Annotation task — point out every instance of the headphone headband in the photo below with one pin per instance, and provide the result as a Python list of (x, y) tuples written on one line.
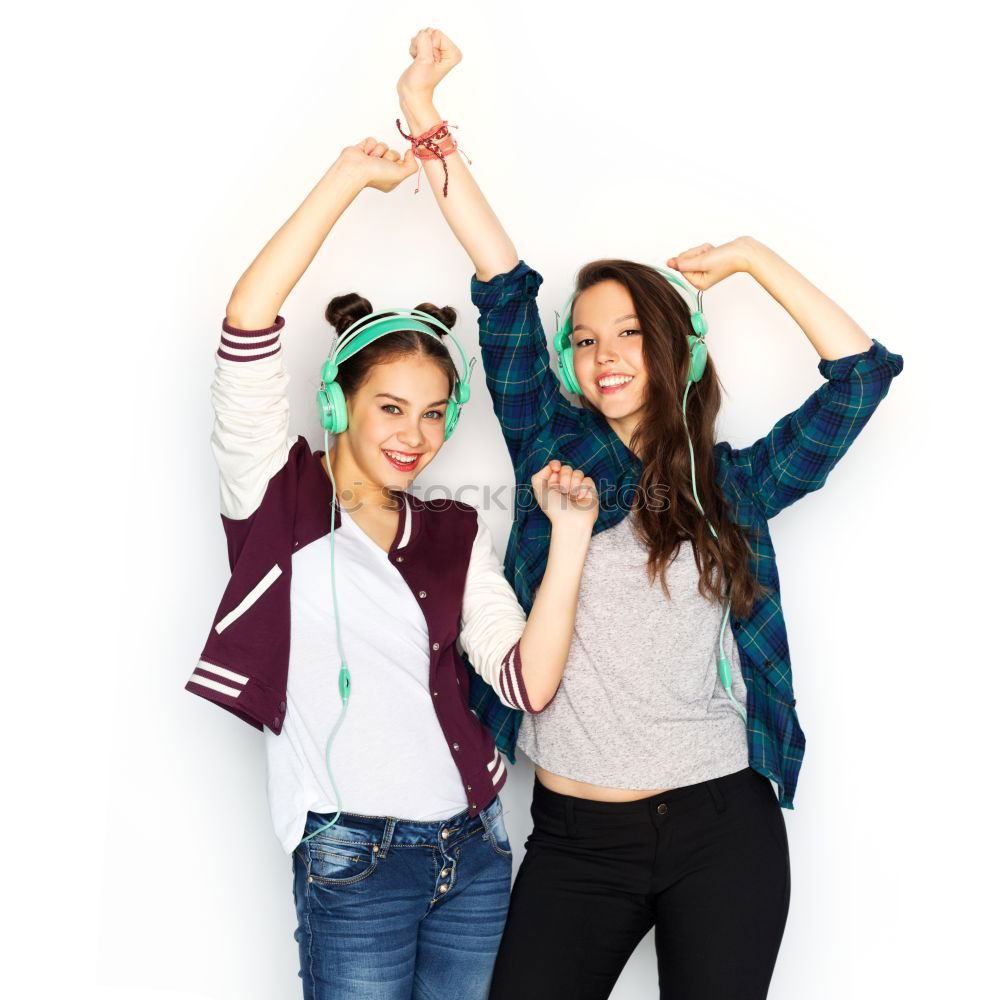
[(369, 328), (364, 331)]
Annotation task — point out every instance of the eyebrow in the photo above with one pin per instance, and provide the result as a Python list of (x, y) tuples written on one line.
[(621, 319), (406, 402)]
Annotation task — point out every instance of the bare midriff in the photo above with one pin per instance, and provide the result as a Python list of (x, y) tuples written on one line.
[(583, 790)]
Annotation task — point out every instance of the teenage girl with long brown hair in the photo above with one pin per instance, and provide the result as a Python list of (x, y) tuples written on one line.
[(653, 802)]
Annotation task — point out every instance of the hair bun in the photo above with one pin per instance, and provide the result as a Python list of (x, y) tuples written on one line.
[(444, 314), (343, 310)]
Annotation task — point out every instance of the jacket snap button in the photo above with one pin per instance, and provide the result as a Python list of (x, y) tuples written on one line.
[(468, 788), (277, 722), (399, 558), (445, 872), (423, 593), (445, 834), (662, 808), (443, 888), (281, 707), (436, 645), (435, 693), (455, 746)]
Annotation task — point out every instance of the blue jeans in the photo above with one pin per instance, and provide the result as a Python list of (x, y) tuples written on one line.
[(396, 910)]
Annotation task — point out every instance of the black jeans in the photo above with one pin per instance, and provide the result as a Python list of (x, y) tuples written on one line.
[(706, 865)]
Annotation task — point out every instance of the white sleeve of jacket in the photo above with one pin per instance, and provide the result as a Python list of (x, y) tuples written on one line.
[(250, 437), (493, 623)]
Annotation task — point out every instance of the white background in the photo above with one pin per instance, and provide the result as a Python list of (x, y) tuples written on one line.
[(150, 153)]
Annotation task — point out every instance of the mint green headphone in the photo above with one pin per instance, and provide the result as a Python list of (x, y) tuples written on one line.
[(330, 398), (696, 368), (563, 341)]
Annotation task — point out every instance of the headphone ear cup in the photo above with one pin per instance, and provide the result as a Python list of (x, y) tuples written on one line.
[(564, 355), (324, 409), (567, 373), (332, 408), (462, 392), (451, 415), (699, 356)]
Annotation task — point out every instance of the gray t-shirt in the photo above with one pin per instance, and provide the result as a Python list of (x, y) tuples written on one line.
[(640, 705)]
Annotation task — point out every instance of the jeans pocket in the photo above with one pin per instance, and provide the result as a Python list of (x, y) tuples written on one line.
[(340, 862), (497, 833)]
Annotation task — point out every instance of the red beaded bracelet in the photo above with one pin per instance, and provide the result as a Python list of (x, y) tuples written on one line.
[(433, 148)]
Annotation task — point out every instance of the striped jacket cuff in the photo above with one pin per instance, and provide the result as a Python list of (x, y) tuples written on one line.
[(250, 345), (512, 681)]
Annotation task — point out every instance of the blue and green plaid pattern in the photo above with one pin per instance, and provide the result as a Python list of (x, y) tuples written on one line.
[(758, 481)]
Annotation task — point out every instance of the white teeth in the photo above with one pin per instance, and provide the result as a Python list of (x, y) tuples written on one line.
[(609, 380), (402, 459)]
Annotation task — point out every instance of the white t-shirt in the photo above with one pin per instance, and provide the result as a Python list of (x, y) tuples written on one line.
[(389, 757)]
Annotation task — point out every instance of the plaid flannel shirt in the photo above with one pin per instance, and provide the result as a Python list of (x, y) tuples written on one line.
[(758, 481)]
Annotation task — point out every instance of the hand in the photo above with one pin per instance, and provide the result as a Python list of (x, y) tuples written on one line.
[(707, 265), (378, 166), (434, 55), (565, 494)]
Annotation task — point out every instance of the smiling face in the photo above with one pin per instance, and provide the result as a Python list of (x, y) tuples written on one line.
[(396, 423), (607, 354)]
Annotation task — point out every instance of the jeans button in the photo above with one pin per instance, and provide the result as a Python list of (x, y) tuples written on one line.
[(662, 808)]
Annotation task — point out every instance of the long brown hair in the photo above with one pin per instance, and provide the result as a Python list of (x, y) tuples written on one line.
[(661, 444)]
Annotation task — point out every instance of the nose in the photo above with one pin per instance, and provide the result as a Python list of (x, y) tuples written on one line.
[(411, 436), (606, 353)]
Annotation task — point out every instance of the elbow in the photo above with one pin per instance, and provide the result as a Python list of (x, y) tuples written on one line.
[(514, 688), (538, 702), (244, 315)]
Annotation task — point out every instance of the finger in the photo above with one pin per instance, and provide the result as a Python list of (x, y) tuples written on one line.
[(446, 45), (379, 149), (688, 255), (565, 478), (575, 480), (368, 144), (425, 47), (554, 464), (391, 155)]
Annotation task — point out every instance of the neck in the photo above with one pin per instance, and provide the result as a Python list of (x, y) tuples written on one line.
[(353, 489), (624, 427)]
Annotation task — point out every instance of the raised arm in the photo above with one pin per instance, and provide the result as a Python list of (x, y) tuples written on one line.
[(524, 388), (802, 448), (264, 286), (465, 208), (250, 436)]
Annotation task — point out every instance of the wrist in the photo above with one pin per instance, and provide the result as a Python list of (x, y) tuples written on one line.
[(346, 177), (754, 254), (419, 112), (573, 531)]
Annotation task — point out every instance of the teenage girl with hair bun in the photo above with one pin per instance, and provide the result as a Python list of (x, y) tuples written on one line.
[(382, 784), (653, 801)]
